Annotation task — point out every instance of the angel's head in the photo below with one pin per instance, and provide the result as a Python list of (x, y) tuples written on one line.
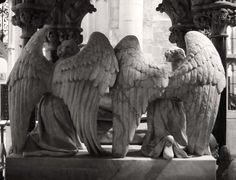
[(175, 55), (67, 49), (128, 42)]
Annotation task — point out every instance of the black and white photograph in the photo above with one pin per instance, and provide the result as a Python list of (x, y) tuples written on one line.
[(117, 89)]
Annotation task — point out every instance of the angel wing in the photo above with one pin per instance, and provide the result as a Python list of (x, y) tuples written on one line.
[(138, 82), (198, 82), (81, 80), (28, 81)]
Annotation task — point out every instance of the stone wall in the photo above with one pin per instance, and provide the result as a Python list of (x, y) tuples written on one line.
[(155, 31), (155, 36)]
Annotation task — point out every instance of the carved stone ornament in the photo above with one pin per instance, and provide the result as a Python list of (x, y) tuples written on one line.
[(216, 16), (64, 17), (74, 84), (67, 16), (65, 23), (29, 15)]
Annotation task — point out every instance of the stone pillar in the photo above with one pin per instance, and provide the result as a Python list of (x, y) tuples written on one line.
[(131, 18), (102, 16), (88, 26), (65, 23), (114, 21), (96, 22), (14, 42)]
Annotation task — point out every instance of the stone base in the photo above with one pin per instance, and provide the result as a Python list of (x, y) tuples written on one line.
[(84, 167)]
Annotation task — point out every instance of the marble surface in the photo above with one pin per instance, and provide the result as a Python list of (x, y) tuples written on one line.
[(132, 167)]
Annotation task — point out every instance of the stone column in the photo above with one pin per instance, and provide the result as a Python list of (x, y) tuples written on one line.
[(131, 18), (14, 42), (114, 21), (102, 16), (88, 26), (96, 22)]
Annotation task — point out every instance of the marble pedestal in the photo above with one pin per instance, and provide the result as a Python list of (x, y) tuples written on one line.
[(83, 167)]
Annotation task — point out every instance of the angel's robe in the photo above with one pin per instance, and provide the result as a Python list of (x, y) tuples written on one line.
[(55, 134)]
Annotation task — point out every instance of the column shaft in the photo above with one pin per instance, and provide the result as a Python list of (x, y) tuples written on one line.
[(131, 18)]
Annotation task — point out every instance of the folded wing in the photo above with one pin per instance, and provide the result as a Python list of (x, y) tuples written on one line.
[(81, 80), (198, 82), (28, 81), (139, 82)]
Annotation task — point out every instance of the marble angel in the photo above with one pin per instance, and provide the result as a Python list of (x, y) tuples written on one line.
[(67, 93), (181, 99)]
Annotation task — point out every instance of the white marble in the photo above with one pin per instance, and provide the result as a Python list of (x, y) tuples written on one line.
[(131, 167)]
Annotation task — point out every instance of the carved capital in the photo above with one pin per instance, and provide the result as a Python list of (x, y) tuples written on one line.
[(66, 16), (29, 20), (64, 22), (62, 18), (179, 11), (29, 17), (215, 16)]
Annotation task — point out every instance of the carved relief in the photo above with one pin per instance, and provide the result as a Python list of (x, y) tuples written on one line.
[(66, 16), (215, 19), (214, 16)]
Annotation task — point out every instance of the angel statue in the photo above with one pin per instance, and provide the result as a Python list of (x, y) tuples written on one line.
[(66, 95), (181, 97)]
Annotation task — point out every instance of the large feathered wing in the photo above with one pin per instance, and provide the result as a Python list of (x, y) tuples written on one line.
[(81, 80), (139, 82), (198, 82), (28, 80), (202, 64)]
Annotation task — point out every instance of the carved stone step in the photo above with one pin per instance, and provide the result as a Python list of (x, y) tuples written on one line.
[(133, 166)]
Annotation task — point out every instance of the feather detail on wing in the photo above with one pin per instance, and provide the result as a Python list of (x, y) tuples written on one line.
[(202, 64), (81, 80), (28, 81), (138, 82), (198, 82)]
